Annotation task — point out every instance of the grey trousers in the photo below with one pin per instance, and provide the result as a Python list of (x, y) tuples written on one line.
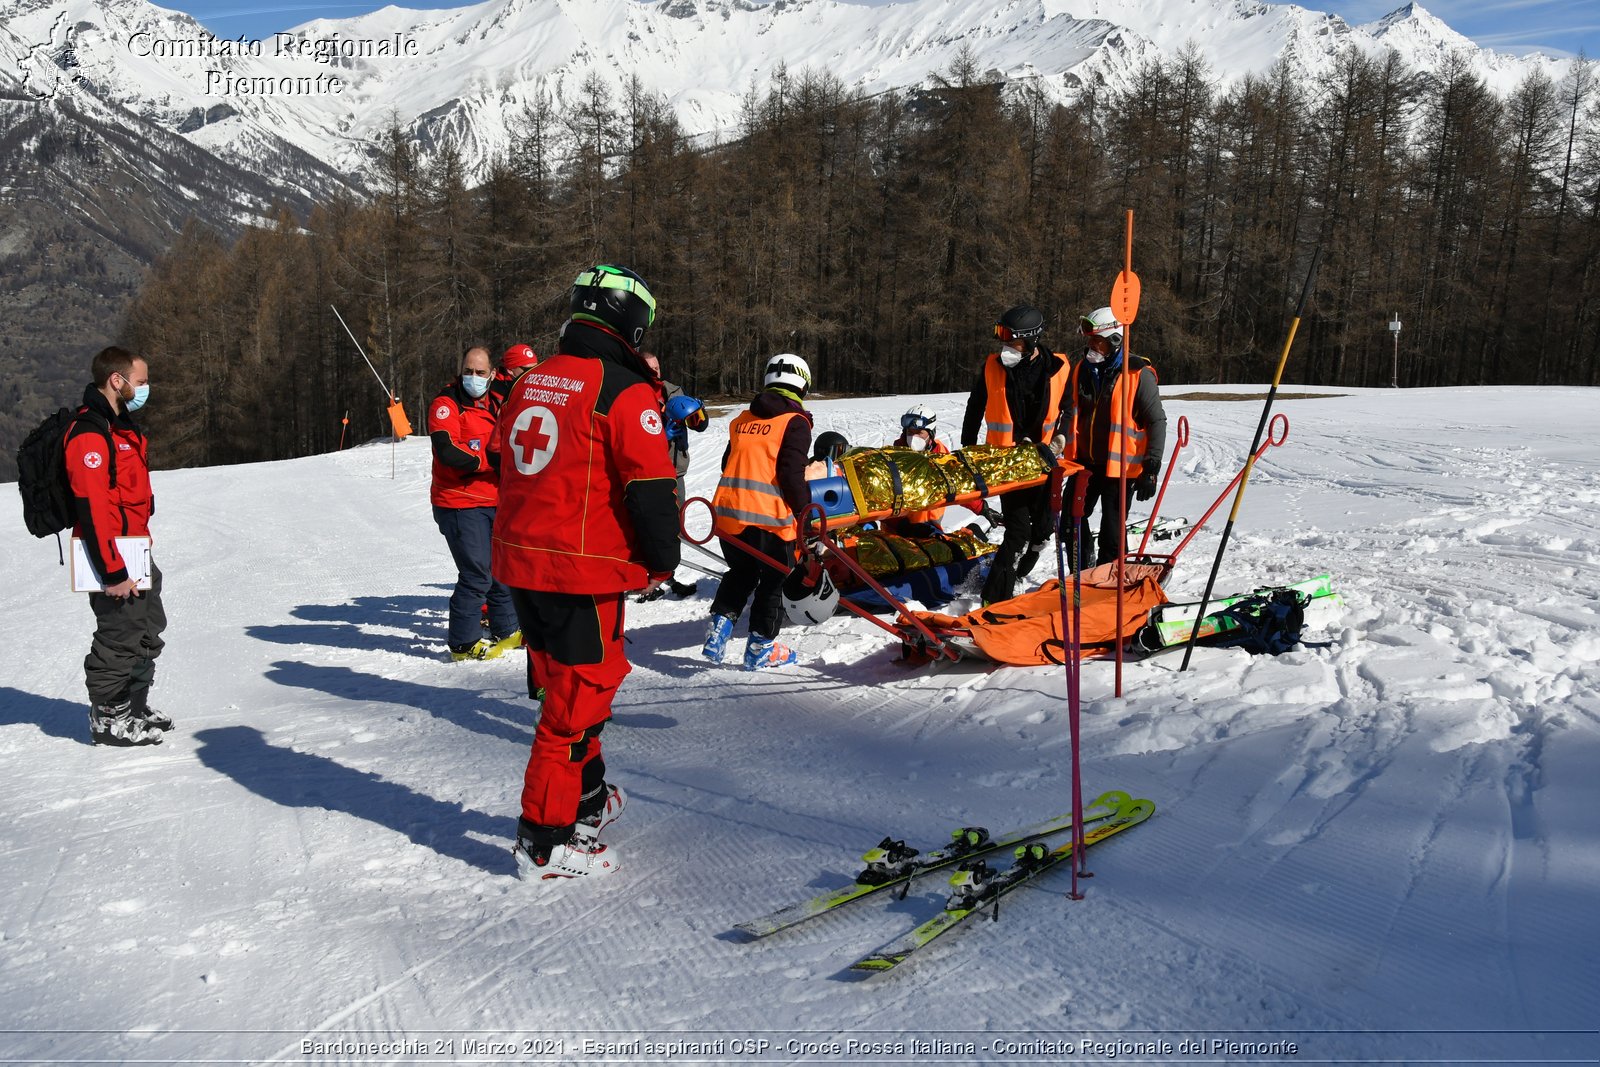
[(127, 640)]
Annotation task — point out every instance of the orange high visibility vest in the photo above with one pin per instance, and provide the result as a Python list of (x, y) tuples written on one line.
[(997, 413), (748, 494), (1135, 442)]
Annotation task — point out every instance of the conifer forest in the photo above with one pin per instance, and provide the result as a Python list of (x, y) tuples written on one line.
[(880, 236)]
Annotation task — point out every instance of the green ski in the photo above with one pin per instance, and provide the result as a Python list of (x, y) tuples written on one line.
[(892, 863), (977, 888)]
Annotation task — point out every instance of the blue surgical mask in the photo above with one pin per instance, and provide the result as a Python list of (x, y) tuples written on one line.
[(141, 393), (474, 385)]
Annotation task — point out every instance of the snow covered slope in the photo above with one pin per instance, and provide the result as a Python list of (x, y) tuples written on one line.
[(1395, 832), (464, 74)]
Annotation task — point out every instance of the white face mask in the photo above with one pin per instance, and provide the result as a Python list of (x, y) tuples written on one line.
[(917, 443), (1094, 357), (1009, 356)]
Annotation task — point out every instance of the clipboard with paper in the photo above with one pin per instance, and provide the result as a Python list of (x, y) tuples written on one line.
[(135, 554)]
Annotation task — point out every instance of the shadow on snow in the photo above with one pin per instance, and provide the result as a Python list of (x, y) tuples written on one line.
[(302, 780)]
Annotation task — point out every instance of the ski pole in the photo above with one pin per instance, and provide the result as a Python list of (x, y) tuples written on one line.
[(707, 571), (1155, 509), (1080, 490), (1244, 475)]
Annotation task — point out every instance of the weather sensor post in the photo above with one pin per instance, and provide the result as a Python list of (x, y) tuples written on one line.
[(1394, 367)]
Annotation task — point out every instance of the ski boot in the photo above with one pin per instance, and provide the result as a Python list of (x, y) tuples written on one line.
[(718, 630), (590, 826), (579, 857), (764, 653), (501, 645), (139, 704), (115, 724), (461, 653)]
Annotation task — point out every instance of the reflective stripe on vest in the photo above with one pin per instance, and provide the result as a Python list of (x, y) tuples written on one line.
[(1134, 442), (997, 412), (748, 494)]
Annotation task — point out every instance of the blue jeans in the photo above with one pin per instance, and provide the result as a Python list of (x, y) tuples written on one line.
[(469, 533)]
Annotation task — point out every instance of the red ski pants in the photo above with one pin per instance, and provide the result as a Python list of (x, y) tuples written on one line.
[(575, 653)]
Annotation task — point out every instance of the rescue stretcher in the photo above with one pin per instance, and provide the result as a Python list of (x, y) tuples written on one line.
[(884, 483)]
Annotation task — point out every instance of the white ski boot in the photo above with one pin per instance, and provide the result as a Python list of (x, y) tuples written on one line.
[(589, 829), (580, 857)]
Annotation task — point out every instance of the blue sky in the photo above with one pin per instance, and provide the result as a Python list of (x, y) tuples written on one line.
[(1561, 26)]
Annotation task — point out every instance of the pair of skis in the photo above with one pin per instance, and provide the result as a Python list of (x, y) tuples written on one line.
[(977, 887), (1170, 624)]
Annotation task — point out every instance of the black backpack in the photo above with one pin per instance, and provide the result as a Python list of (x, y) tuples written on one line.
[(1270, 622), (47, 506)]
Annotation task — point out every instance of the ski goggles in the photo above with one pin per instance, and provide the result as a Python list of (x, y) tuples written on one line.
[(912, 421), (1007, 334)]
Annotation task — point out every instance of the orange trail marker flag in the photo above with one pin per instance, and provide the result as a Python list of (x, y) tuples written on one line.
[(397, 419), (1125, 297)]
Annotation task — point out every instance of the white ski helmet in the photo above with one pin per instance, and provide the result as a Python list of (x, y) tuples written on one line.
[(1101, 322), (788, 370), (809, 599), (920, 417)]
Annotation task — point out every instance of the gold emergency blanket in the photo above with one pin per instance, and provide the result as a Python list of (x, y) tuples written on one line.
[(886, 555), (892, 481)]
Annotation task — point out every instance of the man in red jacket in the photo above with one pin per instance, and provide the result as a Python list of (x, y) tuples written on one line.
[(588, 512), (465, 491), (108, 471), (513, 361)]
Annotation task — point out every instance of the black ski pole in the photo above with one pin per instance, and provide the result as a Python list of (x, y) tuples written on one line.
[(1266, 413)]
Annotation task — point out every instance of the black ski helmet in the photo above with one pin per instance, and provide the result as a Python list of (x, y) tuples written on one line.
[(829, 445), (616, 298), (1023, 322)]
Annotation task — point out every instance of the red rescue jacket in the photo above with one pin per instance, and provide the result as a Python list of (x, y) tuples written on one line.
[(462, 432), (108, 510), (588, 500)]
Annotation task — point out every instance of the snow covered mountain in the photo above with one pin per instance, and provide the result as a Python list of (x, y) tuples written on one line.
[(460, 76)]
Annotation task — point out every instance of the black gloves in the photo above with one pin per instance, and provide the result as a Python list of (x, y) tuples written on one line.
[(1144, 486)]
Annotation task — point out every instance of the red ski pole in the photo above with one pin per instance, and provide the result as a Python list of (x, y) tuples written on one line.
[(1080, 490)]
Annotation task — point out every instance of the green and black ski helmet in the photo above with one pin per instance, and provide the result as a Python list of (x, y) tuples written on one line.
[(614, 297)]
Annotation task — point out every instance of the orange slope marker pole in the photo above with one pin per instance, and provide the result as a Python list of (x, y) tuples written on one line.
[(1125, 306)]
